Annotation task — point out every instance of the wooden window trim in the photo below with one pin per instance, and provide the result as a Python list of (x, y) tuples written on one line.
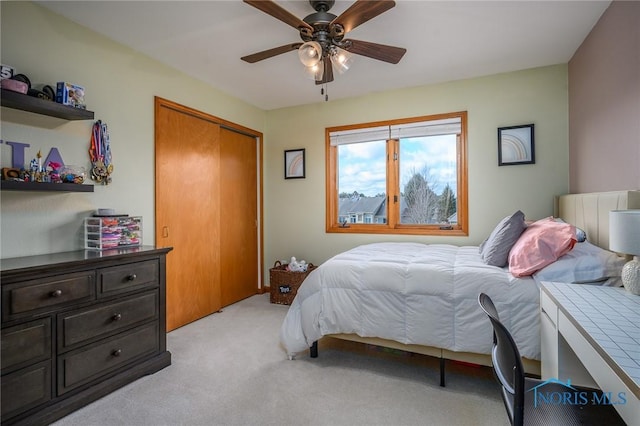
[(392, 226)]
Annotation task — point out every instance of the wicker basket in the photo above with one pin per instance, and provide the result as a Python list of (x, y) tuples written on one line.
[(284, 284)]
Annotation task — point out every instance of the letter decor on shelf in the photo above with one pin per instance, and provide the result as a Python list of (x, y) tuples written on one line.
[(18, 150), (100, 154)]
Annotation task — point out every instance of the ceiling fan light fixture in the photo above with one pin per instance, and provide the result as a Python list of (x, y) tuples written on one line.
[(341, 59), (310, 53), (324, 49), (315, 72)]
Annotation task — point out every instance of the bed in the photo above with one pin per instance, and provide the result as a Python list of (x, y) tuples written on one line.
[(422, 298)]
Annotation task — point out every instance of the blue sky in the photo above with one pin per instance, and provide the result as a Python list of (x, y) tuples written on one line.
[(362, 165)]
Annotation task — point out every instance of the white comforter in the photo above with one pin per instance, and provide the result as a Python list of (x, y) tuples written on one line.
[(415, 294)]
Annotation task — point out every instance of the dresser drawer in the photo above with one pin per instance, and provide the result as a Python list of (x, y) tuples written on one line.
[(79, 326), (50, 292), (86, 364), (26, 343), (26, 388), (128, 277)]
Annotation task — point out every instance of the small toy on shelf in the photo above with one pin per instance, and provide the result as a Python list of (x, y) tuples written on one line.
[(73, 174), (53, 170), (70, 94), (39, 155), (35, 166)]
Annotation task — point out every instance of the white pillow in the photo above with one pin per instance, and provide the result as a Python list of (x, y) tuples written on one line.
[(583, 264)]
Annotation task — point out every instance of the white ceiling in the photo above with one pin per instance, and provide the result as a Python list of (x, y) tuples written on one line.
[(445, 41)]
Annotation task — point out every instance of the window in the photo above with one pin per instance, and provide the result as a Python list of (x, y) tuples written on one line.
[(404, 176)]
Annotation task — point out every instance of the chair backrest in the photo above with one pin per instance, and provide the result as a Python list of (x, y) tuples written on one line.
[(507, 363)]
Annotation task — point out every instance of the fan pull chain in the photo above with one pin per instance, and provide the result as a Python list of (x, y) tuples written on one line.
[(325, 91)]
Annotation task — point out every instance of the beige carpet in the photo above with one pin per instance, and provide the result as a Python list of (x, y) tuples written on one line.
[(229, 369)]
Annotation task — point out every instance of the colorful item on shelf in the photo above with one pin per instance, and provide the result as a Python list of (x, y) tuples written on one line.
[(54, 173), (39, 156), (14, 85), (100, 154), (73, 174), (103, 233), (70, 94), (35, 168)]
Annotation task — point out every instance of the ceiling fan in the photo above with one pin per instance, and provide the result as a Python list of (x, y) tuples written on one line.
[(322, 33)]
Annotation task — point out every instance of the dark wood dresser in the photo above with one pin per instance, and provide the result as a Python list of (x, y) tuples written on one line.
[(77, 326)]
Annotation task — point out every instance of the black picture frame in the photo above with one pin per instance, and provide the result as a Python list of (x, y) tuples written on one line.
[(516, 145), (294, 164)]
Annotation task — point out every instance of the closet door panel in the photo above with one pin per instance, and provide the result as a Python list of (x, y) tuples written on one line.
[(188, 211), (239, 216)]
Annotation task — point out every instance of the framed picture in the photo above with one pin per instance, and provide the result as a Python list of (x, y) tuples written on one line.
[(294, 164), (516, 145)]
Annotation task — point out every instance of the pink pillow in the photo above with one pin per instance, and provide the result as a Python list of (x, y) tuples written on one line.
[(541, 244)]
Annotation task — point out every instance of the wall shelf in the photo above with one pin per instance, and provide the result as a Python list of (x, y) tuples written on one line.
[(15, 100), (11, 185)]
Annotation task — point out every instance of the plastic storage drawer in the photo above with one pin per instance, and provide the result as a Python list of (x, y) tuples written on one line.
[(104, 233)]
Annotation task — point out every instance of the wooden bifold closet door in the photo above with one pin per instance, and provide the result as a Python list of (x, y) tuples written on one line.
[(238, 216), (207, 209)]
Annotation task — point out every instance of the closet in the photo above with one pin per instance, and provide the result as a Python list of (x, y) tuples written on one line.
[(208, 208)]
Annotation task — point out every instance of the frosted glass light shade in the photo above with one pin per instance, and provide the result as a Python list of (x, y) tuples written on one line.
[(310, 53), (315, 72), (341, 59)]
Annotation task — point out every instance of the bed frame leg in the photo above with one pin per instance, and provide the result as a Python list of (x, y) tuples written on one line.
[(442, 372), (313, 350)]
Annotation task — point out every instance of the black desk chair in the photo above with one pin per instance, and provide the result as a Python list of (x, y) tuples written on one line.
[(520, 394)]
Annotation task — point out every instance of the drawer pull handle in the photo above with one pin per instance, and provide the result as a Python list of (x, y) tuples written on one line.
[(132, 277), (56, 293), (117, 352), (117, 317)]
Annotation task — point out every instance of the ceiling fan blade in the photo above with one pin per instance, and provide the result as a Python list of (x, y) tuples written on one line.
[(265, 54), (377, 51), (271, 8), (361, 11), (327, 76)]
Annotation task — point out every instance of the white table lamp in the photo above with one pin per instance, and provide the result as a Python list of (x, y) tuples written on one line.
[(624, 237)]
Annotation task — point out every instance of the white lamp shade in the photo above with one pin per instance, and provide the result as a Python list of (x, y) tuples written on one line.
[(624, 231)]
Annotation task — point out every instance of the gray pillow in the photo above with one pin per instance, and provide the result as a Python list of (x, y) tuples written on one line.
[(495, 249)]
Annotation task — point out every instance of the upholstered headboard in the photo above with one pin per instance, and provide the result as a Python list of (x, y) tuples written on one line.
[(590, 211)]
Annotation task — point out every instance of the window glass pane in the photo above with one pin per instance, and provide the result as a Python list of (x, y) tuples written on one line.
[(428, 180), (362, 182)]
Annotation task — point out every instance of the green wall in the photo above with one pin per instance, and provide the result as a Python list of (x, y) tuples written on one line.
[(295, 209)]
